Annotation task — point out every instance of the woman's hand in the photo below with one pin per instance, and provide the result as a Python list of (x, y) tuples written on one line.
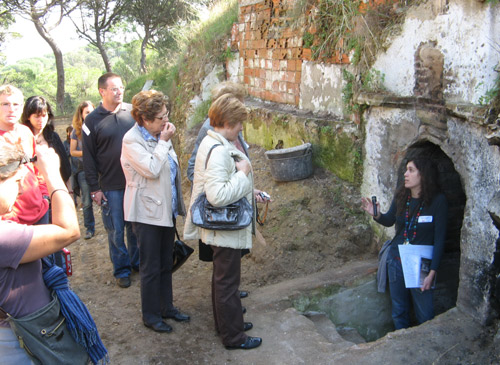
[(167, 132), (48, 163), (367, 206), (258, 197), (243, 165), (429, 279)]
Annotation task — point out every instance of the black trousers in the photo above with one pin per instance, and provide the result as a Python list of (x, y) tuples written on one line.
[(155, 249), (226, 302)]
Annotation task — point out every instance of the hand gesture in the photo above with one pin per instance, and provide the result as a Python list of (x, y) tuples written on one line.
[(367, 206), (167, 132)]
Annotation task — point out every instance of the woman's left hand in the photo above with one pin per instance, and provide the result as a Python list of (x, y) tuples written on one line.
[(429, 279)]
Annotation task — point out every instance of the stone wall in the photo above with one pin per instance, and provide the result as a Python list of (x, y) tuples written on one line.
[(436, 72), (433, 100)]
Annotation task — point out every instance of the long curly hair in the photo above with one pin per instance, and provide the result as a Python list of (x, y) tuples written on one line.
[(428, 181), (37, 105), (78, 117)]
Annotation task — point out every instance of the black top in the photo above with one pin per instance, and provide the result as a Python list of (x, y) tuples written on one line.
[(431, 226), (58, 146), (102, 135)]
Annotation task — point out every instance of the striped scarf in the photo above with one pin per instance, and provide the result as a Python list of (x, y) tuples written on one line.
[(78, 319)]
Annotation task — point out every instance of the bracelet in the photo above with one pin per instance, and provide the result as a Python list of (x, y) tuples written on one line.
[(56, 191)]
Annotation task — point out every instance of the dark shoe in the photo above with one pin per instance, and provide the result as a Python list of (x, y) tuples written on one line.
[(123, 282), (247, 326), (250, 343), (178, 316), (244, 310), (159, 327), (88, 235), (243, 294), (135, 269)]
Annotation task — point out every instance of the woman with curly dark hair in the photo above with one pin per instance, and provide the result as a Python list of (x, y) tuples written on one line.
[(420, 213)]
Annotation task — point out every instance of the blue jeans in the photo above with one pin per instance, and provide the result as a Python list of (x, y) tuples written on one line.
[(402, 297), (88, 212), (123, 259)]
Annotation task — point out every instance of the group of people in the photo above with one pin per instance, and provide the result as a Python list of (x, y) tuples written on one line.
[(127, 165), (125, 162)]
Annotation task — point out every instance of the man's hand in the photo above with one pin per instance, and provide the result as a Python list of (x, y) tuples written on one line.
[(98, 197)]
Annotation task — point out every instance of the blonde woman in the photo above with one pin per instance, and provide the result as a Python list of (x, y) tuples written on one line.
[(226, 178), (84, 109)]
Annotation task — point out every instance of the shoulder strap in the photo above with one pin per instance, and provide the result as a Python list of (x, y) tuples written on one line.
[(3, 314), (210, 152)]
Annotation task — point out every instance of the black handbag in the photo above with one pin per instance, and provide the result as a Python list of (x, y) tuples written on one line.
[(181, 252), (234, 216)]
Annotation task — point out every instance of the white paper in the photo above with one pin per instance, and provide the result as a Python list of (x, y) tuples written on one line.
[(411, 255)]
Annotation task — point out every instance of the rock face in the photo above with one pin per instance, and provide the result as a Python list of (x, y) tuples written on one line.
[(432, 120)]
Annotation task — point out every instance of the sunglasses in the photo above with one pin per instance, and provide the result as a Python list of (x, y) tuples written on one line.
[(8, 169)]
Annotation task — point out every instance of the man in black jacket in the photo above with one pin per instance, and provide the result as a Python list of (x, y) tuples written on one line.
[(102, 136)]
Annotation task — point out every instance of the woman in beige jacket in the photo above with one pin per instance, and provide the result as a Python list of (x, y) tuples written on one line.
[(227, 178), (152, 201)]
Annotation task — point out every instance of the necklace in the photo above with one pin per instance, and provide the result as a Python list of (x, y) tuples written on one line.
[(411, 224)]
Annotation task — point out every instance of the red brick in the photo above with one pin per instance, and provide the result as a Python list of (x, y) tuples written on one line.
[(248, 72), (276, 65), (246, 80), (298, 76), (290, 76), (261, 43), (306, 54), (276, 86), (298, 65)]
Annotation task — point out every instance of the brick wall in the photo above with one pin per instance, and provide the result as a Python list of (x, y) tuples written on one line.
[(271, 51)]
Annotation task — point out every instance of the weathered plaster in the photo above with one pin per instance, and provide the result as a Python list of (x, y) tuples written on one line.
[(321, 88), (467, 35)]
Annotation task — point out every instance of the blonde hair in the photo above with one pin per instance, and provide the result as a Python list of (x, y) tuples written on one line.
[(78, 117), (11, 90), (228, 87), (147, 104), (227, 109)]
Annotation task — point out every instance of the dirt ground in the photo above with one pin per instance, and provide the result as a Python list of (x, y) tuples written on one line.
[(313, 227)]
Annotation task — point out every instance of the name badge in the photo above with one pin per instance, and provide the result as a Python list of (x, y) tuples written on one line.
[(86, 129), (425, 219)]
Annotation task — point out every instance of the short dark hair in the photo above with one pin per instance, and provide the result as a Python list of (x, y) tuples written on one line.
[(102, 81), (147, 104)]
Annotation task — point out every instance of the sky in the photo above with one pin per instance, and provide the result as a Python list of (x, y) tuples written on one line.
[(33, 45)]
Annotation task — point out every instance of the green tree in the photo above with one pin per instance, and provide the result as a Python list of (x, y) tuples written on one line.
[(156, 17), (45, 15), (94, 22)]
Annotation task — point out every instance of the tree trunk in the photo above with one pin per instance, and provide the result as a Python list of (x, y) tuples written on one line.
[(147, 35), (104, 54), (59, 64)]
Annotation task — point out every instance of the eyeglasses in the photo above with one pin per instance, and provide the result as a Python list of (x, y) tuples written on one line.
[(6, 170), (164, 116), (115, 89)]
